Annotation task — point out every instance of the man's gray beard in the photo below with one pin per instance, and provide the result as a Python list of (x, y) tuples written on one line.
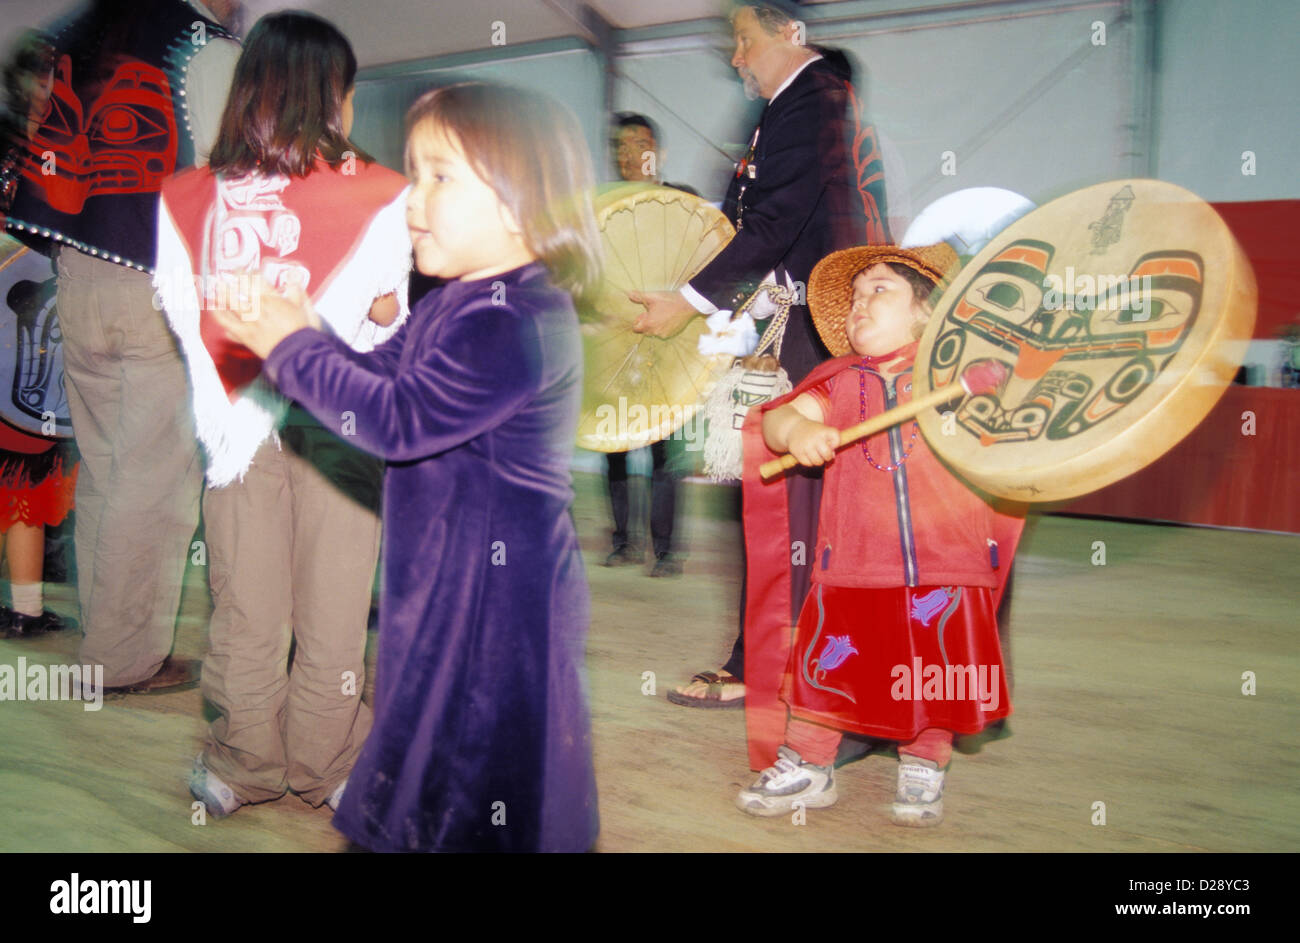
[(752, 91)]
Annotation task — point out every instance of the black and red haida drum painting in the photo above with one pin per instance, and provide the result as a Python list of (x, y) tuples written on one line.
[(31, 346), (1121, 311)]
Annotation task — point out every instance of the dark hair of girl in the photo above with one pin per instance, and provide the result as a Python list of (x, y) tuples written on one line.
[(286, 101)]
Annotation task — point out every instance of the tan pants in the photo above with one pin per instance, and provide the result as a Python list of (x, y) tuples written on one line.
[(141, 474), (292, 552)]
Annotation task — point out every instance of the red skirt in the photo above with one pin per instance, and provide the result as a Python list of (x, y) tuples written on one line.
[(891, 662), (37, 490)]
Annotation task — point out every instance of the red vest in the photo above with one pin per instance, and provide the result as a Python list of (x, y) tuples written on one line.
[(906, 520), (115, 127), (276, 226), (341, 232)]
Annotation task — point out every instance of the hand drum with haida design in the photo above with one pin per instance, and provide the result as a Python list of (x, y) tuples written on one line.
[(31, 345), (639, 389), (1121, 312)]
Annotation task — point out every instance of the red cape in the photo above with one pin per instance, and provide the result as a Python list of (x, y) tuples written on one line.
[(768, 633)]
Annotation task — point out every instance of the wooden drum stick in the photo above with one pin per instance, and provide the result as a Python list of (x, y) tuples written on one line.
[(979, 377)]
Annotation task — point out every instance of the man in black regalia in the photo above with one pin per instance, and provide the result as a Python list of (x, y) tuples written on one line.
[(795, 198)]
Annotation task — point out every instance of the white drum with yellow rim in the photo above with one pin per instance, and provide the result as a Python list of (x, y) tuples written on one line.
[(1121, 312)]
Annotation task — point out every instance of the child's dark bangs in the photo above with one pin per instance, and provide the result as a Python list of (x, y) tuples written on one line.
[(922, 285)]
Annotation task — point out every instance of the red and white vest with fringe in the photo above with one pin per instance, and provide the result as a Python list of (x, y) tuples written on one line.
[(340, 231)]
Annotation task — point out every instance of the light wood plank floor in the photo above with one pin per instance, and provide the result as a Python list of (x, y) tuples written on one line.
[(1128, 691)]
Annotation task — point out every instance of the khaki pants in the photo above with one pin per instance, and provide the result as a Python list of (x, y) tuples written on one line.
[(141, 473), (292, 552)]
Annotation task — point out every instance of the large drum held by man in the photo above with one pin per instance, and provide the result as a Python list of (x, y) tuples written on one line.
[(639, 389)]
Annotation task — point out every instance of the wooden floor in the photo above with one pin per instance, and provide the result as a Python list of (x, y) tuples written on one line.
[(1128, 692)]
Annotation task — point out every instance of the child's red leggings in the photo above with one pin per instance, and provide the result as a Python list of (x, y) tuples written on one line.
[(818, 745)]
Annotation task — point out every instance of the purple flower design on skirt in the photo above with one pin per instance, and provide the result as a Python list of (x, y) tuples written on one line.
[(925, 608), (838, 648), (945, 600), (834, 652)]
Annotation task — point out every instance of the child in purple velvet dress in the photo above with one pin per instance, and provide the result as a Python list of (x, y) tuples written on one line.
[(481, 737)]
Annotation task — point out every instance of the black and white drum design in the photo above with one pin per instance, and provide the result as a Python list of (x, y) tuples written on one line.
[(32, 398)]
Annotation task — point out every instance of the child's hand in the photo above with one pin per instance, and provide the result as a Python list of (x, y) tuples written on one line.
[(813, 443), (273, 318)]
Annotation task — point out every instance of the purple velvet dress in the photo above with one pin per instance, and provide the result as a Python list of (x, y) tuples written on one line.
[(482, 737)]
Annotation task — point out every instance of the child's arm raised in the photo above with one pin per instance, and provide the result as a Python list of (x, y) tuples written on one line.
[(797, 428)]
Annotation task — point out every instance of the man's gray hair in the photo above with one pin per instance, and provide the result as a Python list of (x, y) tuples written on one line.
[(771, 17)]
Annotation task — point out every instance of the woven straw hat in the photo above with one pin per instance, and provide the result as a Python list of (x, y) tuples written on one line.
[(830, 287)]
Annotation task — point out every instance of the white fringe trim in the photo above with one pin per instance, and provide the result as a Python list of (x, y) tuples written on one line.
[(380, 264)]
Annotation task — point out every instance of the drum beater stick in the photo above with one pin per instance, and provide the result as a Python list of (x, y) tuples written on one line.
[(979, 377)]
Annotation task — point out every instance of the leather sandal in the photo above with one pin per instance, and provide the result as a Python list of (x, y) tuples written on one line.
[(712, 699)]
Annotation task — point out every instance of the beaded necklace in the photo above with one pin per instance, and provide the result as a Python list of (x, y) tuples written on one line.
[(862, 410)]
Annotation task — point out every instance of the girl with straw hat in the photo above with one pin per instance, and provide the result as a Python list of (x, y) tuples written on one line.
[(898, 636)]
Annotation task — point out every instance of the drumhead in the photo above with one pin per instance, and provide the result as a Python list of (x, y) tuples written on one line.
[(32, 398), (1121, 311), (640, 389)]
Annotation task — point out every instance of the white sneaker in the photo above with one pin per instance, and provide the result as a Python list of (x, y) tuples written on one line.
[(790, 782), (336, 796), (205, 786), (918, 803)]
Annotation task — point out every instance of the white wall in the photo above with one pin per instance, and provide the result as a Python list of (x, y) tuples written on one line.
[(1026, 103), (986, 82), (573, 76), (1228, 82)]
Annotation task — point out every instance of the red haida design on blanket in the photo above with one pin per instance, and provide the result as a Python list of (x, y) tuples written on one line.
[(249, 231), (124, 142)]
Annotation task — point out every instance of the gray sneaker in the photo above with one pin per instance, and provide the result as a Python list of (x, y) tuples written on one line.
[(219, 798), (336, 796), (918, 802), (788, 783)]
